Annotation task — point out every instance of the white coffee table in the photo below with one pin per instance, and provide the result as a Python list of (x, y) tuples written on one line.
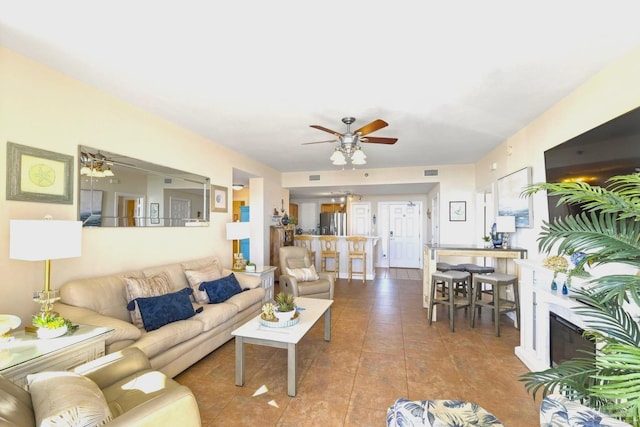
[(253, 332)]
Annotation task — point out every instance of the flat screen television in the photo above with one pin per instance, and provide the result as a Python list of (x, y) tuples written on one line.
[(610, 149)]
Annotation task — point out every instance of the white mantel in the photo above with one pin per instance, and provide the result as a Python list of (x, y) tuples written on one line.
[(537, 300)]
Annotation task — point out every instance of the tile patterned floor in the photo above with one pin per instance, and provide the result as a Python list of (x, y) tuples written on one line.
[(381, 348)]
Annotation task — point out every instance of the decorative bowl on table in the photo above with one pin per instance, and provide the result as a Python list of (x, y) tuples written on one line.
[(274, 322), (46, 333)]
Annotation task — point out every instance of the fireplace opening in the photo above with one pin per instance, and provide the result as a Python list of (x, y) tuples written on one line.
[(566, 340)]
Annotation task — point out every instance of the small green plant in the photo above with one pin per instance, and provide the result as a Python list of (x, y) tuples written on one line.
[(53, 321), (284, 302), (486, 238)]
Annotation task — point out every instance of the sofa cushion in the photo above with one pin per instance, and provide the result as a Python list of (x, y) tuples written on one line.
[(146, 287), (221, 289), (158, 341), (197, 277), (557, 410), (164, 309), (214, 315), (247, 298), (67, 399), (303, 274)]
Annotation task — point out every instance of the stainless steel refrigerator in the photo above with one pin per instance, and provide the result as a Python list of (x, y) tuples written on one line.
[(333, 224)]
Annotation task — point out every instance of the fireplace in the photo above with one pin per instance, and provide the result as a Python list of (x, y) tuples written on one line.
[(566, 340)]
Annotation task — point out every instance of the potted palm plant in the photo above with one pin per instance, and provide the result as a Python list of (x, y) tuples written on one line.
[(285, 308), (607, 231)]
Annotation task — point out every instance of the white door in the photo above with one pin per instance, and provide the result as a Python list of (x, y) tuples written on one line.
[(359, 223), (179, 210), (405, 235)]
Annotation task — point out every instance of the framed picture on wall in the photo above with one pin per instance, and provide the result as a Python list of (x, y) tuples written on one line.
[(35, 175), (458, 211), (510, 201), (218, 198)]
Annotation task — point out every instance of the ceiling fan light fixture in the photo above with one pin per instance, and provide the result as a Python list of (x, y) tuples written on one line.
[(358, 157), (337, 158)]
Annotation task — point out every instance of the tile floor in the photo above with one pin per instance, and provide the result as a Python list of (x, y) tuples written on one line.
[(381, 348)]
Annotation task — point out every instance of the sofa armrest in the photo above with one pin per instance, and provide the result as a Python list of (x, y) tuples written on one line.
[(121, 330), (289, 285), (109, 369), (174, 407), (331, 279), (246, 280)]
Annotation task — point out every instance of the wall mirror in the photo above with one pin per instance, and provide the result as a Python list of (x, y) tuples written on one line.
[(121, 191)]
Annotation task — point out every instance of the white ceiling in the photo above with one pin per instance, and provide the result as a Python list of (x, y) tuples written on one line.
[(452, 78)]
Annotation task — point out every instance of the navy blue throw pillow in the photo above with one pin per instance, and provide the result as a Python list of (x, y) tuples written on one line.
[(163, 309), (222, 289)]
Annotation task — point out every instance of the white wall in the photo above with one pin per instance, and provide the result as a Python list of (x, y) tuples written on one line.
[(43, 108)]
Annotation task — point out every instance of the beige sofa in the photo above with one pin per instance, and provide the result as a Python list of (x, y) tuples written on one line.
[(120, 389), (102, 301)]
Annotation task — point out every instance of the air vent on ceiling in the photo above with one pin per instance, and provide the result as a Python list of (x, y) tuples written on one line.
[(431, 172), (167, 180), (314, 177)]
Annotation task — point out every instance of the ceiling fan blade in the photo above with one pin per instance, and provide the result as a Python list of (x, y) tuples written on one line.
[(319, 142), (322, 128), (379, 140), (372, 127)]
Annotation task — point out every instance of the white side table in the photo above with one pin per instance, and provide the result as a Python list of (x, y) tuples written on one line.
[(27, 354), (266, 273)]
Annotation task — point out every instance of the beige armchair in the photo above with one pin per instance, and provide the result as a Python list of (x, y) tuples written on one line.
[(296, 257), (135, 395)]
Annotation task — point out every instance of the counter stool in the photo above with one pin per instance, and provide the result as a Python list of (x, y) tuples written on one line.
[(452, 282), (497, 304), (305, 241), (355, 245), (474, 269), (445, 266), (328, 249)]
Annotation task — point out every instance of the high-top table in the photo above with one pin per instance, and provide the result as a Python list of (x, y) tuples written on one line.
[(253, 332), (433, 253)]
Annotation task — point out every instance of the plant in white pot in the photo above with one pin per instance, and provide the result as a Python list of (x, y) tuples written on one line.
[(52, 325), (285, 307)]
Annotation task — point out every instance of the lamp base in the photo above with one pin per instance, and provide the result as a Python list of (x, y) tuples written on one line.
[(46, 300), (239, 262)]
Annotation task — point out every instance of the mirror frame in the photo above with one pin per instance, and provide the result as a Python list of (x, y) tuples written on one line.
[(131, 205)]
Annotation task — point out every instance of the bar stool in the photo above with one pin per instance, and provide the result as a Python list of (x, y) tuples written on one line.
[(451, 281), (474, 269), (356, 245), (497, 304), (445, 266), (328, 249), (305, 241)]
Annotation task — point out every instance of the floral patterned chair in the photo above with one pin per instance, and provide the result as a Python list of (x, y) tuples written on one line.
[(557, 411), (438, 413)]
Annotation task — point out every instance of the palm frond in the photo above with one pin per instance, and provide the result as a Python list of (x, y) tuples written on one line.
[(573, 378), (607, 320), (601, 234), (618, 287), (618, 381)]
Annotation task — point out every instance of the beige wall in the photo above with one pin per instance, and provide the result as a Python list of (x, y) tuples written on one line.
[(42, 108), (612, 92)]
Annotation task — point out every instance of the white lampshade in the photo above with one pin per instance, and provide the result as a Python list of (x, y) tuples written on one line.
[(358, 157), (506, 224), (40, 240), (337, 158), (238, 230)]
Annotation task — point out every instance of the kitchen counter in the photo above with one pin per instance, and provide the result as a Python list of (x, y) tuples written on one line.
[(370, 248)]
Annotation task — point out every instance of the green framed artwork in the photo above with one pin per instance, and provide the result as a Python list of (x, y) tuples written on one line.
[(36, 175)]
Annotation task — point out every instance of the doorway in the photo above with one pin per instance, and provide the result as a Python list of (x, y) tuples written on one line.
[(401, 232)]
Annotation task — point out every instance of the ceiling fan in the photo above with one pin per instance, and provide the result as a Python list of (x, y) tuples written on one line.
[(350, 141)]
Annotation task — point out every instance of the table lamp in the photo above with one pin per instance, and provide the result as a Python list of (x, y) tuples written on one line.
[(44, 240), (506, 224), (237, 231)]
